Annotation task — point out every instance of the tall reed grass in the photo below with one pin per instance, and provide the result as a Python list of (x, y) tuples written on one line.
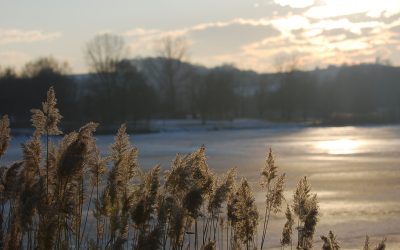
[(66, 195)]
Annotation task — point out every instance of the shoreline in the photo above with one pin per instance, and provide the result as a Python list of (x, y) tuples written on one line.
[(195, 125)]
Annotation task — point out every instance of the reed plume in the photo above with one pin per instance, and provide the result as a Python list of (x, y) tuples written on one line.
[(366, 243), (269, 172), (11, 186), (310, 223), (125, 165), (305, 207), (274, 189), (47, 119), (193, 200), (202, 176), (189, 172), (288, 228), (275, 197), (176, 230), (178, 179), (31, 185), (72, 160), (151, 241), (146, 199), (381, 245), (32, 157), (219, 195), (97, 169), (4, 134), (301, 199), (221, 191), (13, 235), (330, 242), (245, 214), (46, 123), (119, 191)]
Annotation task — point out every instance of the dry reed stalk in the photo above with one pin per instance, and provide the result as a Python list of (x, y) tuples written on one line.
[(274, 191), (305, 207), (4, 134), (330, 242)]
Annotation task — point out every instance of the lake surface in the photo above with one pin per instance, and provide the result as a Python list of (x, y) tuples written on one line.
[(354, 170)]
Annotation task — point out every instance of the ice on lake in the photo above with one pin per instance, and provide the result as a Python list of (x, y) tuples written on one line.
[(354, 170)]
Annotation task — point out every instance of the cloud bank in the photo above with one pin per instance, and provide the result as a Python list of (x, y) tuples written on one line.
[(322, 33), (13, 36)]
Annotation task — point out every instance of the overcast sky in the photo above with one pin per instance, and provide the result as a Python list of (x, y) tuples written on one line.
[(251, 34)]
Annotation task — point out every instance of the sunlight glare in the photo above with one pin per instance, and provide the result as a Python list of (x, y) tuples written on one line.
[(337, 147), (335, 8)]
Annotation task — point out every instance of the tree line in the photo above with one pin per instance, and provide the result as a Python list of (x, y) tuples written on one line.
[(168, 86)]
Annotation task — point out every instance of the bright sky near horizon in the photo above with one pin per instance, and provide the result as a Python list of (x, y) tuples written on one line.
[(251, 34)]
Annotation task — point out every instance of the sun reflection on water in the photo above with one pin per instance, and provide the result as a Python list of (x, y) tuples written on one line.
[(338, 147)]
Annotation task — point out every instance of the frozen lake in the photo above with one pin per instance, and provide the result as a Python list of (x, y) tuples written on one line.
[(354, 170)]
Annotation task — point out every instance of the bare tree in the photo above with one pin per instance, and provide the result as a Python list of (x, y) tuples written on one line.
[(45, 65), (103, 54), (169, 74), (286, 63), (173, 48), (297, 88)]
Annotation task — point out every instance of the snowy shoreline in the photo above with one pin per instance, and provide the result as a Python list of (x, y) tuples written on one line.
[(179, 125)]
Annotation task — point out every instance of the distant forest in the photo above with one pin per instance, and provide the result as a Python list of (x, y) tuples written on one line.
[(167, 87)]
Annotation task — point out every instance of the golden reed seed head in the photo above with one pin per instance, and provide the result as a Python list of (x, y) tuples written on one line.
[(46, 120)]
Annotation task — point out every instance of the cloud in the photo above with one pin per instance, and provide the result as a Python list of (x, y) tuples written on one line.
[(345, 24), (295, 3), (12, 36), (396, 29), (138, 32), (198, 27), (338, 35), (336, 8), (290, 23), (211, 37), (228, 39), (320, 42)]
